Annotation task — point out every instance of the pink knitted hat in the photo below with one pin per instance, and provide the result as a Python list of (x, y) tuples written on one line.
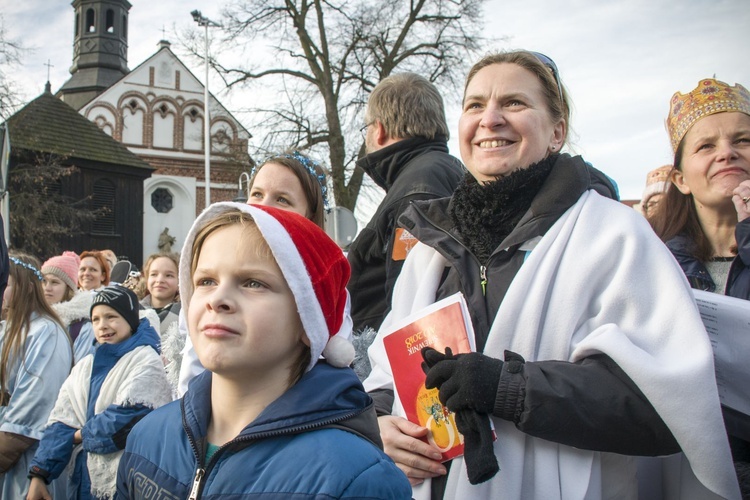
[(65, 267)]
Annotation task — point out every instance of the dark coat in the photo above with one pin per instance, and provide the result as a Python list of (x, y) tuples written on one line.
[(409, 170)]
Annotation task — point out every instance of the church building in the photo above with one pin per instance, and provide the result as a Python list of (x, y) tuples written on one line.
[(156, 112)]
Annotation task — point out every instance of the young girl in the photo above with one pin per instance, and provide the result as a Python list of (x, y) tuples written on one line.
[(105, 395), (162, 295), (264, 292), (35, 358), (71, 305)]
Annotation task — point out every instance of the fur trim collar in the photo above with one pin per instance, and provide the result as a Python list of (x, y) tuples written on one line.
[(79, 307)]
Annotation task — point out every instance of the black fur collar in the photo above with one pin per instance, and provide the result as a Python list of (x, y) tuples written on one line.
[(484, 214)]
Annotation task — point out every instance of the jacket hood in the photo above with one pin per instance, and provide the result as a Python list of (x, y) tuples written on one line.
[(384, 166), (78, 307), (324, 395)]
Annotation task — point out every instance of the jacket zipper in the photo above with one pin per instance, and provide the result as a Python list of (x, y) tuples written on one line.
[(202, 471), (483, 279)]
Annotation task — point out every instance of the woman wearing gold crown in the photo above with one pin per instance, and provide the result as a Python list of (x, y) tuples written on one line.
[(704, 217), (582, 364)]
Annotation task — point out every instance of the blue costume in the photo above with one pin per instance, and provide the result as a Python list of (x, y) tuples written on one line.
[(117, 387), (33, 384)]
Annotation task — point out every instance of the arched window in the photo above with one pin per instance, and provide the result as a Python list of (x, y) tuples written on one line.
[(90, 21), (77, 25), (110, 22), (103, 201)]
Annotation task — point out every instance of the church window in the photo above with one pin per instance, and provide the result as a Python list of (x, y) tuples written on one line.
[(133, 105), (103, 201), (110, 23), (90, 25), (193, 113), (161, 200), (124, 27), (163, 108), (77, 25)]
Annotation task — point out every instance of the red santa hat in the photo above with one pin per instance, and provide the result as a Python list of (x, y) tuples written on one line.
[(312, 264)]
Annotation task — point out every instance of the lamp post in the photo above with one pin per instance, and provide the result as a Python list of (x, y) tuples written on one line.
[(206, 22), (242, 194)]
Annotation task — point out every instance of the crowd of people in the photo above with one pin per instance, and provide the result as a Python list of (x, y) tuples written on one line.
[(226, 370)]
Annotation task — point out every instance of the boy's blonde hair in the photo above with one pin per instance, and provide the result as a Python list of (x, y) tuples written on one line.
[(251, 236)]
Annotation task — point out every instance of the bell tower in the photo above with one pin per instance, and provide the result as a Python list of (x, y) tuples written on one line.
[(100, 49)]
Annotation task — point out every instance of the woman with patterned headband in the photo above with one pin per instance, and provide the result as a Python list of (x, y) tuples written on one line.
[(35, 358), (582, 364), (704, 217)]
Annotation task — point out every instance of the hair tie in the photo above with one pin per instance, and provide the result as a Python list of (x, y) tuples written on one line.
[(309, 165), (21, 263)]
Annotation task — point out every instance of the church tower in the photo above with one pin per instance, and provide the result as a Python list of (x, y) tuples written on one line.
[(100, 49)]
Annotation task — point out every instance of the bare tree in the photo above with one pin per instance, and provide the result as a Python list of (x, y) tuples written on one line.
[(325, 58), (10, 54)]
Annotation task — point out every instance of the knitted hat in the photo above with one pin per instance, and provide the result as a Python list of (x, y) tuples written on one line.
[(709, 97), (312, 264), (65, 267), (656, 182), (122, 300)]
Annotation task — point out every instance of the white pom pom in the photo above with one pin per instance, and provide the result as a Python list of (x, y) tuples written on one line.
[(339, 352)]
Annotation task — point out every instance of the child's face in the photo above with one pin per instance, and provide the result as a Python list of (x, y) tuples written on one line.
[(162, 280), (109, 326), (276, 186), (242, 316), (54, 289)]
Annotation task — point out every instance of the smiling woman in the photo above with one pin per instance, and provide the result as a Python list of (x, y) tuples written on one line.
[(532, 245)]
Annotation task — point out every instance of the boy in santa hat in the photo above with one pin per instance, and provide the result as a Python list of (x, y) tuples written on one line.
[(264, 293)]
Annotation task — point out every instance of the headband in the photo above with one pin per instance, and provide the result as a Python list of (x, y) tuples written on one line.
[(21, 263), (309, 165)]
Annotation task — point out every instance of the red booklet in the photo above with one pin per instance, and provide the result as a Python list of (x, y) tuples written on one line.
[(445, 323)]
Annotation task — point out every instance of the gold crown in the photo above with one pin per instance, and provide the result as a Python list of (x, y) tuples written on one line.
[(709, 97)]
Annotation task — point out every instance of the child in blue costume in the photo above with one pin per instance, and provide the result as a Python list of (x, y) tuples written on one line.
[(35, 358), (101, 400), (264, 293)]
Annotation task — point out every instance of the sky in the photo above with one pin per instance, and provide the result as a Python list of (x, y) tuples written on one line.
[(620, 61)]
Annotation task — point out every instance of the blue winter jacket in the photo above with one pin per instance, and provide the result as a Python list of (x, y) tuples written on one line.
[(313, 442), (103, 433), (738, 281)]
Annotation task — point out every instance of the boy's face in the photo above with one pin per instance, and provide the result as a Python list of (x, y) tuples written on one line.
[(242, 316), (109, 326)]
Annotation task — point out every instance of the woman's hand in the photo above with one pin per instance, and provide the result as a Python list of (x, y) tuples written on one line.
[(401, 441), (38, 490), (77, 437), (741, 200)]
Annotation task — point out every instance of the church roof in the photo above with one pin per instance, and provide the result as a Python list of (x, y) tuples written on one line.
[(48, 125)]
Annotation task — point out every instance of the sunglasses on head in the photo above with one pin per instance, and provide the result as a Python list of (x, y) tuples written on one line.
[(553, 67)]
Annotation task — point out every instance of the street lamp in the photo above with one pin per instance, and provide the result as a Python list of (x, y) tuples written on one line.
[(242, 194), (206, 22)]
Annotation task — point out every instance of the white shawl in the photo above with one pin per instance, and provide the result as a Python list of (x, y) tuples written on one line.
[(599, 281), (137, 378)]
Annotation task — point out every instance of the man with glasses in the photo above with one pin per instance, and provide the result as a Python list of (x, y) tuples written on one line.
[(406, 139)]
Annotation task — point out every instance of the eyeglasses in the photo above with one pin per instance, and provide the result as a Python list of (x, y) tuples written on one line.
[(363, 130), (553, 67)]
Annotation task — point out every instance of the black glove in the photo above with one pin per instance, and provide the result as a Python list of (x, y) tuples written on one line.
[(464, 381), (479, 452)]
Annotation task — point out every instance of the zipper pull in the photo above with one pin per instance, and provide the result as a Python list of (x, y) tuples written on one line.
[(483, 276), (196, 484)]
